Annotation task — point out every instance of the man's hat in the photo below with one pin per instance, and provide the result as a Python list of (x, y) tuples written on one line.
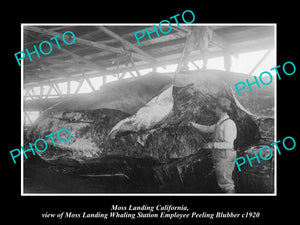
[(225, 104)]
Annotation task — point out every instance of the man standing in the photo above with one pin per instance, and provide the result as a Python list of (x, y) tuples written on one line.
[(223, 152)]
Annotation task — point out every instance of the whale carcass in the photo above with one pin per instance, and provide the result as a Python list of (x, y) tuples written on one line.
[(140, 124)]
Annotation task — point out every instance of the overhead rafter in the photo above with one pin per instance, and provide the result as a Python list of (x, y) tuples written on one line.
[(89, 62), (166, 49), (126, 43), (54, 70), (134, 66), (216, 39), (78, 40), (78, 58), (85, 42), (114, 72)]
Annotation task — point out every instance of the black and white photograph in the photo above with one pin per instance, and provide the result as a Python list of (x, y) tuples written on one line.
[(148, 109), (145, 113)]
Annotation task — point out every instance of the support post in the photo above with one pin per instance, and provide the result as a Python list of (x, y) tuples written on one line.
[(133, 64), (83, 75), (79, 86), (50, 88), (90, 83), (57, 89), (27, 117), (198, 68), (104, 80), (68, 87), (122, 76), (28, 93), (227, 62), (132, 74), (41, 91)]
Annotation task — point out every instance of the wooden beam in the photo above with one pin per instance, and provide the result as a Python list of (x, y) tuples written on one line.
[(57, 71), (132, 74), (83, 75), (67, 52), (33, 90), (183, 32), (197, 67), (218, 41), (133, 64), (68, 87), (56, 89), (28, 93), (79, 86), (27, 117), (104, 80), (50, 88), (215, 40), (85, 42), (78, 40), (221, 42), (41, 90), (119, 75), (227, 62), (57, 28), (90, 63), (126, 43), (260, 61), (90, 83), (171, 60)]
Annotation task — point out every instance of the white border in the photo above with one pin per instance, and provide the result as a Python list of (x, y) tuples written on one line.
[(148, 194), (22, 110)]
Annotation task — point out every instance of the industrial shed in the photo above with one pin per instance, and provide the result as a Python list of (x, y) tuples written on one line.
[(104, 59), (112, 51)]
